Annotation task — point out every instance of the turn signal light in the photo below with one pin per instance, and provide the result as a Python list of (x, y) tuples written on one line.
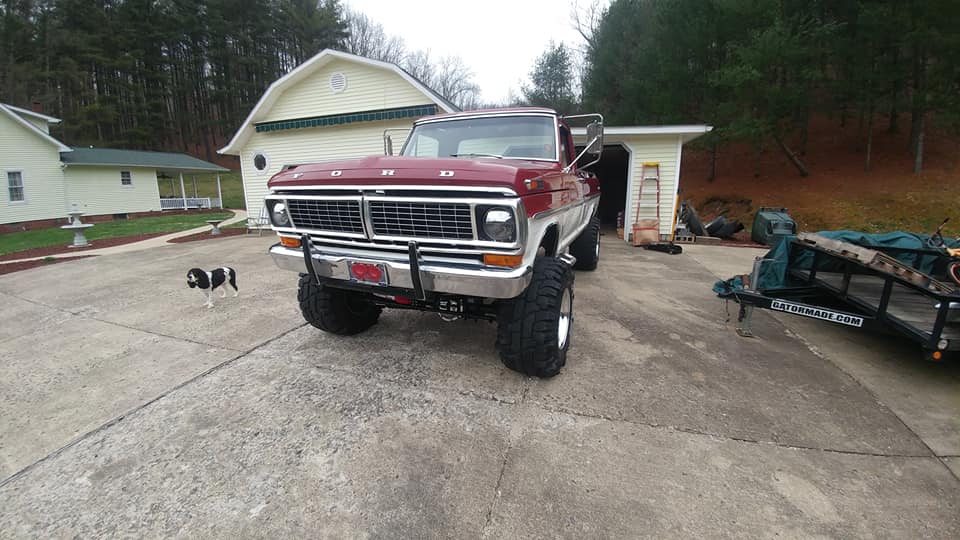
[(286, 241), (496, 259), (937, 355)]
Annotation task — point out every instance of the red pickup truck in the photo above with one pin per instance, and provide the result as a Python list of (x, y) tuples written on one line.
[(483, 215)]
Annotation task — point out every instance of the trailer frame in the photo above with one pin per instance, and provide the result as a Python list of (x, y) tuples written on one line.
[(862, 295)]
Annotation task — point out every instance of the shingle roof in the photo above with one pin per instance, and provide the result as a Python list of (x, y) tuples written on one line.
[(27, 112), (139, 158)]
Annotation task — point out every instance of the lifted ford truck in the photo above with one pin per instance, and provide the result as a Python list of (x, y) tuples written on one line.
[(483, 215)]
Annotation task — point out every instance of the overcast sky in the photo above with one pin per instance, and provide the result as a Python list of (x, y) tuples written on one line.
[(498, 39)]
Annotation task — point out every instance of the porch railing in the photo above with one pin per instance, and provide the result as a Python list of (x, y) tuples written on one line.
[(191, 202)]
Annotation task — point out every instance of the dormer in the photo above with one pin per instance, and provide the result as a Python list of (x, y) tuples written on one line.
[(35, 118)]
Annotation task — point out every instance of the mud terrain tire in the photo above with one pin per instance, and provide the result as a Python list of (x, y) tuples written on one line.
[(336, 311), (533, 329)]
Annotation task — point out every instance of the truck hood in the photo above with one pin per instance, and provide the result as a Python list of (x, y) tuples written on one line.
[(413, 171)]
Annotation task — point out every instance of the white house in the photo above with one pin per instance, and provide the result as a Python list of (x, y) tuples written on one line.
[(30, 163), (338, 105), (43, 178), (333, 106)]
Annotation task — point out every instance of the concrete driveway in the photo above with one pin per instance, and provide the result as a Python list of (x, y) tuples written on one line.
[(128, 409)]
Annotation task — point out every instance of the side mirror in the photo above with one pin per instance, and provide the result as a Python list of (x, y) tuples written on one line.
[(387, 145), (594, 145), (595, 138)]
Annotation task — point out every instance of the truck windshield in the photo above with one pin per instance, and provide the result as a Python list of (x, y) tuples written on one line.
[(498, 137)]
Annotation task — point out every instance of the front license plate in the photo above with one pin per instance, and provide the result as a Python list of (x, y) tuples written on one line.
[(373, 274)]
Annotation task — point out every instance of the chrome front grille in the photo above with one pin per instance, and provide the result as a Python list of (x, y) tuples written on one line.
[(433, 220), (339, 216)]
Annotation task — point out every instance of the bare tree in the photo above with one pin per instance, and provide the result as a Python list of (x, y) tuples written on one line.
[(454, 81), (419, 64), (368, 39), (586, 19)]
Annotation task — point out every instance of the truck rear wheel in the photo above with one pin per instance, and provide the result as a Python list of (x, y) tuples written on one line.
[(586, 248), (333, 310), (533, 329)]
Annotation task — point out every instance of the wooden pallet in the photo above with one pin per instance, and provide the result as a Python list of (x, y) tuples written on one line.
[(876, 260)]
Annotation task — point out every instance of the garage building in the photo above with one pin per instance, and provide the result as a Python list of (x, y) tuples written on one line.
[(333, 106), (626, 149), (338, 105)]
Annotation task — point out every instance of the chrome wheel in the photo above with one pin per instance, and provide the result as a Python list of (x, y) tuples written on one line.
[(566, 319)]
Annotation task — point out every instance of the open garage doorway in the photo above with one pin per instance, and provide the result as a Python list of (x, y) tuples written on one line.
[(613, 170)]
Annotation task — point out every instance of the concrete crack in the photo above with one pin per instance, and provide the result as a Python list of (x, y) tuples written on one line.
[(692, 431), (511, 439), (141, 407), (119, 325)]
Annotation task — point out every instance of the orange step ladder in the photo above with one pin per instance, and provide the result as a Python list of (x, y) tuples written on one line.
[(647, 231)]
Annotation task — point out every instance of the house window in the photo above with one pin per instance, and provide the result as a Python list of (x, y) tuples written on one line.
[(125, 179), (15, 186)]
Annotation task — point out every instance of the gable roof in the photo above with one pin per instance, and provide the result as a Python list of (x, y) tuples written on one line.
[(324, 57), (7, 110), (110, 157), (26, 112)]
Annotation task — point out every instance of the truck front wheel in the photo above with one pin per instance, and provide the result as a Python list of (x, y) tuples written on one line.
[(533, 329), (333, 310)]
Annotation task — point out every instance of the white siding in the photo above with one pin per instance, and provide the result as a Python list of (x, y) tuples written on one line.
[(97, 190), (24, 150), (311, 145), (368, 88), (645, 148)]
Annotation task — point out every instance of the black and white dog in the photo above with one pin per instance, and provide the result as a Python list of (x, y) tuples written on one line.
[(209, 281)]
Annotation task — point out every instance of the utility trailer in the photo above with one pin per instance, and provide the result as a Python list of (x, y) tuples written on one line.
[(846, 284)]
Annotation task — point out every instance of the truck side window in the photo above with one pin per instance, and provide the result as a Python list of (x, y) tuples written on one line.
[(564, 146)]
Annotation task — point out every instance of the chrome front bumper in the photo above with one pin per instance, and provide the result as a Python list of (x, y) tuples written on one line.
[(450, 279)]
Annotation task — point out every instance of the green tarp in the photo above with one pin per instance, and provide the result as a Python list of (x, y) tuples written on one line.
[(774, 275)]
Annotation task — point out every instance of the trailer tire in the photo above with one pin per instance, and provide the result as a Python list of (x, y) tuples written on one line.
[(953, 270), (586, 248), (533, 329), (336, 311)]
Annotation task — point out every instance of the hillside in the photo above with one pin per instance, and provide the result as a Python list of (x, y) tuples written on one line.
[(839, 193)]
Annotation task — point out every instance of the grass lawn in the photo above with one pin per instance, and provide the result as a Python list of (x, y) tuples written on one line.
[(230, 185), (20, 241)]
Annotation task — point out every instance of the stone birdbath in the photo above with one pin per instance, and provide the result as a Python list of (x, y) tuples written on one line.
[(215, 223), (79, 240)]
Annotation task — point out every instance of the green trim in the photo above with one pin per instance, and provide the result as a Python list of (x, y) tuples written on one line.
[(350, 118)]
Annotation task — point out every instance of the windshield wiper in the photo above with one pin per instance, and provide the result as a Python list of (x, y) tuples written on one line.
[(475, 154)]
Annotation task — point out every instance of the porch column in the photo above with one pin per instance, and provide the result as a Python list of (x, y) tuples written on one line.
[(195, 196), (183, 191), (219, 192)]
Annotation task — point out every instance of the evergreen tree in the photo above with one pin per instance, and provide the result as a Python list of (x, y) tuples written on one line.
[(552, 80)]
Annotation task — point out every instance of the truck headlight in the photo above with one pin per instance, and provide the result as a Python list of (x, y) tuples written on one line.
[(279, 216), (499, 224)]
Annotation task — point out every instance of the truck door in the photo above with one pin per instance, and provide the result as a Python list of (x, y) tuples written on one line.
[(573, 186)]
